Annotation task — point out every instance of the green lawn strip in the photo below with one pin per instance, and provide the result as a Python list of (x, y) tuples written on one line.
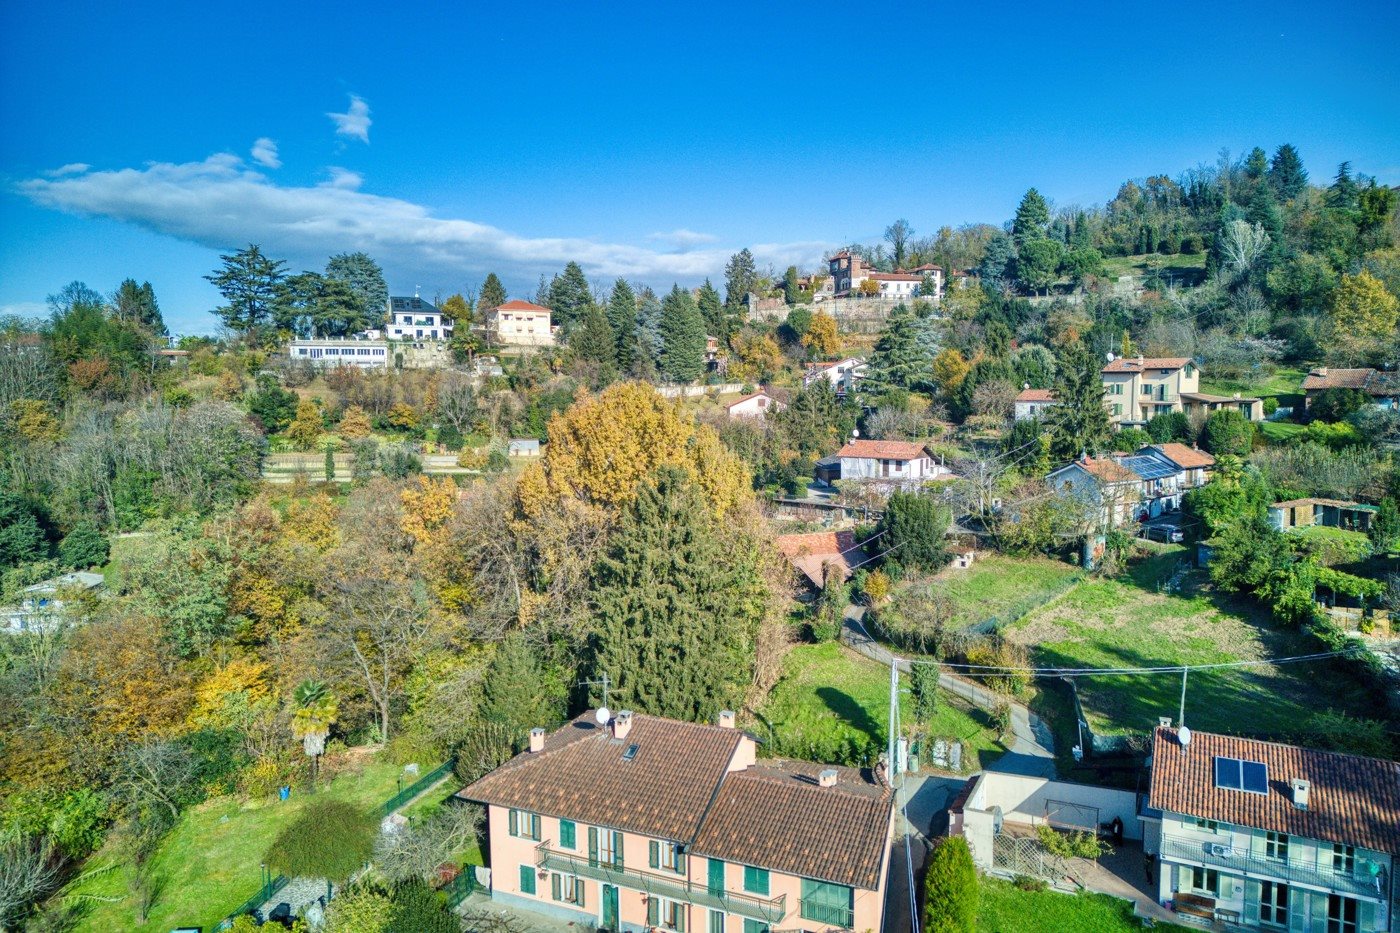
[(1282, 381), (1281, 431), (1005, 908), (831, 699), (1122, 623), (210, 862), (994, 587)]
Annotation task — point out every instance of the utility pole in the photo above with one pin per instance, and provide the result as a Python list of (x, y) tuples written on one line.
[(1181, 713)]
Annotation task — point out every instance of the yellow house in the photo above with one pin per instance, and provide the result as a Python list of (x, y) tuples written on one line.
[(1137, 390)]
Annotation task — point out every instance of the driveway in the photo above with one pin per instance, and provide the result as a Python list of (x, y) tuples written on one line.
[(1031, 750)]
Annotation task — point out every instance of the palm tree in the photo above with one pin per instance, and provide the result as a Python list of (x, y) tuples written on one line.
[(315, 713)]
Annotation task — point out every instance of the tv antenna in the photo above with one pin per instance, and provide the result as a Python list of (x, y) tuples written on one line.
[(603, 683)]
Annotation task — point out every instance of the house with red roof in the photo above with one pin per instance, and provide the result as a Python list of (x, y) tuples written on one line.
[(520, 324), (894, 464), (1032, 403), (1138, 389), (754, 405)]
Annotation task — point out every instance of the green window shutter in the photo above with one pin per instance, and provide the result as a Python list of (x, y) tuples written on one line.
[(1366, 915), (755, 926), (1227, 886), (554, 885), (653, 910), (527, 879), (567, 834), (680, 862), (680, 919), (593, 846), (716, 921), (654, 853), (513, 823), (535, 826), (755, 880), (579, 888), (716, 876), (617, 851)]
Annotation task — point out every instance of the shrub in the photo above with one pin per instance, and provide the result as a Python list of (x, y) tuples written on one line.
[(1270, 406), (360, 908), (83, 547), (1228, 432), (950, 889), (1071, 844), (419, 909), (328, 839)]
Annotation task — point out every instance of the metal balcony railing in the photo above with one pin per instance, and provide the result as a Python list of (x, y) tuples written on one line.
[(673, 887), (1242, 862)]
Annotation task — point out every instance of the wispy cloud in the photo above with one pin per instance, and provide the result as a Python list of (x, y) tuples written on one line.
[(222, 201), (355, 122), (24, 309), (683, 239), (265, 153), (72, 168)]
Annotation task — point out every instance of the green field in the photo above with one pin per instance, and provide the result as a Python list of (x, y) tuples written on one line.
[(1128, 622), (1282, 381), (210, 862), (1281, 432), (994, 588), (1182, 269), (832, 705), (1005, 908)]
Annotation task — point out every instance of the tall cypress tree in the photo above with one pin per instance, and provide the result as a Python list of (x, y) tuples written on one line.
[(712, 310), (592, 340), (682, 337), (1286, 173), (1078, 422), (622, 317), (675, 607), (569, 295), (493, 294)]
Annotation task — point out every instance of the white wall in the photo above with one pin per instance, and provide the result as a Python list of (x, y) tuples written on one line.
[(1023, 799)]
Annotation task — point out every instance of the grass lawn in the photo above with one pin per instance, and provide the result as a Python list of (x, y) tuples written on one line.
[(210, 862), (1005, 908), (1127, 622), (995, 587), (1283, 381), (1281, 432), (832, 700), (1187, 267)]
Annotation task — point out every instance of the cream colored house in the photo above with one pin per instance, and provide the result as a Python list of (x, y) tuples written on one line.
[(520, 324), (1139, 389)]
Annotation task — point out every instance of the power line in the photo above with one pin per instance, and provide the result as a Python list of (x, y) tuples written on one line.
[(1101, 671)]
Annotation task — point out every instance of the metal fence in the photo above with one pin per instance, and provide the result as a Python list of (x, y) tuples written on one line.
[(417, 787), (264, 894), (461, 887)]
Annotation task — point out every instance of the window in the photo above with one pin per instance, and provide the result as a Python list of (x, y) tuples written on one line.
[(1343, 858), (756, 880), (665, 913), (1237, 774), (1276, 846), (755, 926), (1210, 826), (1341, 914), (568, 834), (1117, 409), (523, 824), (605, 848), (828, 903), (716, 921), (1146, 389), (527, 879), (1273, 903), (1206, 880), (566, 889), (1115, 388), (667, 855)]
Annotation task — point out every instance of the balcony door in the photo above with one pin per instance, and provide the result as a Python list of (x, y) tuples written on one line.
[(610, 907)]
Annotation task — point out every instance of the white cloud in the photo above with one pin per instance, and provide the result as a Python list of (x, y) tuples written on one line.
[(72, 168), (223, 202), (683, 239), (25, 309), (355, 121), (343, 178), (265, 153)]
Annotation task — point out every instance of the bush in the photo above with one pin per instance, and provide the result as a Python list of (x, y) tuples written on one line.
[(1270, 406), (360, 908), (913, 529), (419, 909), (328, 839), (84, 547), (1228, 432), (449, 437), (950, 889)]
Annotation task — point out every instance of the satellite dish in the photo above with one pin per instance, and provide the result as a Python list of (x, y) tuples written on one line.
[(603, 715), (1183, 735)]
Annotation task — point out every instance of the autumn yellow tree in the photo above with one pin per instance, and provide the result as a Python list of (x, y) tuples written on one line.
[(354, 423), (229, 387), (305, 428), (34, 420), (759, 356), (427, 507), (821, 339), (1362, 318), (949, 370), (403, 417)]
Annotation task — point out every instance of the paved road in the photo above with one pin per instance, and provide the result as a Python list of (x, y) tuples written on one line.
[(1032, 746)]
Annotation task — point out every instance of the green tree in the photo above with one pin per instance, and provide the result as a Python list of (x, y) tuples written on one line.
[(950, 889), (1286, 173), (1228, 432), (1333, 405), (816, 422), (22, 537), (740, 278), (84, 547), (1080, 422), (419, 909), (312, 304), (458, 310), (493, 294), (517, 694), (365, 281), (1385, 528), (329, 839), (137, 303), (1038, 263), (913, 532), (1343, 192), (593, 340), (1171, 427), (923, 684), (682, 337), (249, 282), (904, 354), (622, 317), (1083, 263), (569, 296), (712, 311), (314, 711), (676, 606), (1032, 217), (1363, 317)]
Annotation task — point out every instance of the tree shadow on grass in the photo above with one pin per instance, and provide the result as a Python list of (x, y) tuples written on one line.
[(855, 715)]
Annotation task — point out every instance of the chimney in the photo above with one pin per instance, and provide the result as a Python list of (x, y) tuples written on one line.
[(1300, 792), (1321, 371), (622, 724), (536, 740), (725, 719), (1164, 722), (827, 778)]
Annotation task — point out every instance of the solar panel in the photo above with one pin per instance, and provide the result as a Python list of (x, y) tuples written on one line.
[(1227, 773), (1148, 467), (1235, 774)]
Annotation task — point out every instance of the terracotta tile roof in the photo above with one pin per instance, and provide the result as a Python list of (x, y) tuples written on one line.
[(1188, 458), (1352, 800), (883, 450), (1106, 469), (751, 396), (895, 277), (1329, 378), (808, 553), (775, 815), (515, 304), (580, 775), (1035, 395), (1138, 364)]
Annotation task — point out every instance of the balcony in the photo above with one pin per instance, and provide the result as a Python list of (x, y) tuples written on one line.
[(673, 887), (1242, 862)]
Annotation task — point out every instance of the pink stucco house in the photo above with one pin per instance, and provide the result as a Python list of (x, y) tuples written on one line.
[(645, 824)]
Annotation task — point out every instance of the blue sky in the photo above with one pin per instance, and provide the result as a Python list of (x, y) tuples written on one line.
[(645, 140)]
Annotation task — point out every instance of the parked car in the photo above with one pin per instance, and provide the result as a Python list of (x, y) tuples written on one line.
[(1167, 534)]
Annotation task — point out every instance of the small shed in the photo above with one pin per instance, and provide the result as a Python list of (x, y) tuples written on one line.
[(523, 447), (1329, 513)]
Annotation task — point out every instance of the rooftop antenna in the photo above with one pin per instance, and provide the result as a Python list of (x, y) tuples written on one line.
[(415, 290), (604, 683)]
